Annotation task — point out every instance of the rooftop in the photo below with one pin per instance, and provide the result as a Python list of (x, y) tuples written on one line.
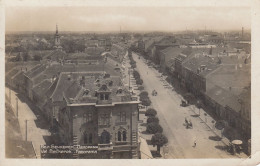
[(201, 64), (84, 89), (224, 98), (233, 78)]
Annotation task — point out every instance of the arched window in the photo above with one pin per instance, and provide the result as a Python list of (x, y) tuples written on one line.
[(119, 136), (90, 138), (85, 138), (124, 135), (105, 137)]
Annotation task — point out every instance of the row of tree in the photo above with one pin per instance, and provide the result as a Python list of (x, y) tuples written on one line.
[(144, 98), (153, 127)]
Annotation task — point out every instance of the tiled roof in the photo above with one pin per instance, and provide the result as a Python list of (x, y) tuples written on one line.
[(42, 87), (170, 53), (235, 76), (224, 98), (36, 71), (202, 65), (55, 69), (56, 54), (75, 93), (11, 73), (64, 82)]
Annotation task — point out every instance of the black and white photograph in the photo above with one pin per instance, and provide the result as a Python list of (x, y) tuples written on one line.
[(127, 82)]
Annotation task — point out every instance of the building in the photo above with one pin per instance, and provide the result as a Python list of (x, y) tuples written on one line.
[(194, 73), (118, 51), (167, 57), (99, 111), (57, 44)]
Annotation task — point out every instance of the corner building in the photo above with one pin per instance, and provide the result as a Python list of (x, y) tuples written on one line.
[(101, 112)]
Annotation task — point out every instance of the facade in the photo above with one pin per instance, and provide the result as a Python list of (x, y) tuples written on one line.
[(118, 51), (100, 112)]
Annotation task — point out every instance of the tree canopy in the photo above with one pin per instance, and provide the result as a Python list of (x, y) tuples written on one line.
[(153, 128)]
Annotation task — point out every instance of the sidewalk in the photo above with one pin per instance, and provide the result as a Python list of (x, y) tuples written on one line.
[(34, 133), (207, 119)]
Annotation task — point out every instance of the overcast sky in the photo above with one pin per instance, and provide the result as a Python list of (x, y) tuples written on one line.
[(129, 18)]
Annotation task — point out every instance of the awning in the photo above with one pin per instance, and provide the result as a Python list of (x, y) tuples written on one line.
[(237, 142)]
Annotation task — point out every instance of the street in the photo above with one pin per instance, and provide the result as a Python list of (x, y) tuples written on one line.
[(172, 119), (34, 133)]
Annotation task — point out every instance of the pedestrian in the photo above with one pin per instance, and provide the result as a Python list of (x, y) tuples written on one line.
[(195, 143), (186, 121)]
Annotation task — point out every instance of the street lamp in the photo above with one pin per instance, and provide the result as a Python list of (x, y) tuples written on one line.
[(198, 102), (129, 71), (26, 130)]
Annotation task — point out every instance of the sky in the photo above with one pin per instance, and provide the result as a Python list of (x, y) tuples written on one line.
[(168, 19)]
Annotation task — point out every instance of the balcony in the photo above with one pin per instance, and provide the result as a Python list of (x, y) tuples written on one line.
[(105, 146)]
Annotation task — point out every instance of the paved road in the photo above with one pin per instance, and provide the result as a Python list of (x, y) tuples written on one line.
[(34, 133), (171, 116)]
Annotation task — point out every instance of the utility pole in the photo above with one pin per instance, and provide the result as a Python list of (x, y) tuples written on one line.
[(16, 106), (10, 97), (26, 130), (129, 77)]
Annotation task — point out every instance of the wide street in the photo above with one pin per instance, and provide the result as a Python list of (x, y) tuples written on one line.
[(34, 133), (172, 116)]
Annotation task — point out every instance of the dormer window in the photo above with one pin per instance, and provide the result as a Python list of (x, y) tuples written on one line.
[(104, 96), (110, 83), (119, 91), (86, 92)]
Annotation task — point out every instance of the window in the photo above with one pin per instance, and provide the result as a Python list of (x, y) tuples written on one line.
[(90, 138), (106, 96), (124, 135), (101, 96), (107, 118), (105, 137), (104, 119), (122, 116), (90, 116), (119, 136), (85, 116), (85, 138)]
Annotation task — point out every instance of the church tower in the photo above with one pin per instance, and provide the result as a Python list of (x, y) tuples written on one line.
[(57, 39)]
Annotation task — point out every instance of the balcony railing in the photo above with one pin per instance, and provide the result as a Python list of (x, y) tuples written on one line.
[(105, 146)]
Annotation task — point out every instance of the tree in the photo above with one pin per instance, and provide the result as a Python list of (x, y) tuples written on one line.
[(143, 94), (152, 120), (146, 102), (159, 140), (151, 112), (133, 65), (37, 57), (153, 128), (136, 74), (140, 88), (139, 81)]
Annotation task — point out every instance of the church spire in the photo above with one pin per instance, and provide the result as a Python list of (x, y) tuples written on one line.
[(56, 28)]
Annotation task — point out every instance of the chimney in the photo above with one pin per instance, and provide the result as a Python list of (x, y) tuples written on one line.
[(69, 77)]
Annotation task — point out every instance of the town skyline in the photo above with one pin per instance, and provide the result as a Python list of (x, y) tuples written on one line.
[(127, 19)]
